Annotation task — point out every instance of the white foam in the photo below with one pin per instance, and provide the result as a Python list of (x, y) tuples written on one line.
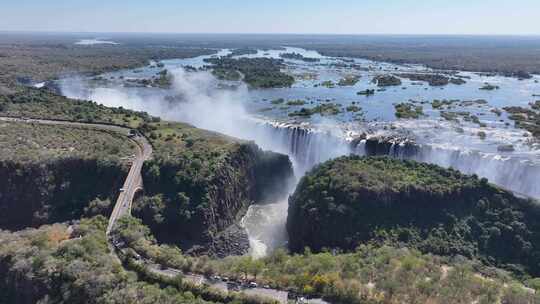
[(94, 42)]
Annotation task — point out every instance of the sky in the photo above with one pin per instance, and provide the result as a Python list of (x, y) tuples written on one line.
[(504, 17)]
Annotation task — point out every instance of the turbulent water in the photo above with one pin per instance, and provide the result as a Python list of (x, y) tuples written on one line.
[(233, 109)]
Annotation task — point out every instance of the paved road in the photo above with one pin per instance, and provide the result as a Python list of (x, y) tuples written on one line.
[(279, 296), (133, 182)]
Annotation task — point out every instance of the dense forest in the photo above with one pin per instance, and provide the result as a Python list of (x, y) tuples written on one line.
[(60, 264), (353, 200), (199, 182), (369, 274)]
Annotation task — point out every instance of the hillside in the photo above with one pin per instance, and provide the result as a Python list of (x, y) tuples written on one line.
[(60, 264), (56, 173), (199, 183), (353, 200)]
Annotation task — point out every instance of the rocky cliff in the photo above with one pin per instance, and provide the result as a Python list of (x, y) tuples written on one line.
[(198, 208), (37, 193), (353, 200)]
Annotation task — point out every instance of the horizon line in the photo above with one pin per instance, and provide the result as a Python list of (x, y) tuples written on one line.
[(266, 33)]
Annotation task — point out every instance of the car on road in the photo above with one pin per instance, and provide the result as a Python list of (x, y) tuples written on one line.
[(233, 286)]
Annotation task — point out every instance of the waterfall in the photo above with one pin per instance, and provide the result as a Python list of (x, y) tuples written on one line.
[(515, 174), (265, 224), (307, 147)]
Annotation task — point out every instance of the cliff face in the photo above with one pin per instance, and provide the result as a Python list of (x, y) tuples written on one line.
[(354, 200), (195, 210), (16, 287), (37, 193)]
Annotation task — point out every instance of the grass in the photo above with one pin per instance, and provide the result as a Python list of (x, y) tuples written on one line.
[(43, 104), (175, 139), (24, 142)]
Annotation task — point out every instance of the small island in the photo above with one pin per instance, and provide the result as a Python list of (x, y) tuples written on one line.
[(297, 56), (386, 80), (257, 72)]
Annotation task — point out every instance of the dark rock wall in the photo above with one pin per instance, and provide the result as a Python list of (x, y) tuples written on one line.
[(33, 194)]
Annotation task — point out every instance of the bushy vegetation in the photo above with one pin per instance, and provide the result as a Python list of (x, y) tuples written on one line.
[(377, 275), (257, 72), (37, 59), (226, 74), (163, 79), (353, 200), (408, 110), (431, 79), (242, 52), (33, 142), (54, 265), (349, 80), (297, 102), (369, 274), (386, 80), (526, 118), (44, 104), (489, 87), (510, 56), (366, 92), (324, 109), (353, 108)]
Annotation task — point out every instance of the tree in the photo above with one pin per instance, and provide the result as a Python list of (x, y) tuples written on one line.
[(256, 267), (244, 266)]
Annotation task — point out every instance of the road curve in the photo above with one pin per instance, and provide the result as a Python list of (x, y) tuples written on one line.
[(133, 182)]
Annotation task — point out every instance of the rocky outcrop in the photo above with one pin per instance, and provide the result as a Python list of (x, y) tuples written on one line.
[(17, 287)]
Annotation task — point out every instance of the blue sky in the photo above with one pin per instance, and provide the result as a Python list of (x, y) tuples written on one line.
[(277, 16)]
